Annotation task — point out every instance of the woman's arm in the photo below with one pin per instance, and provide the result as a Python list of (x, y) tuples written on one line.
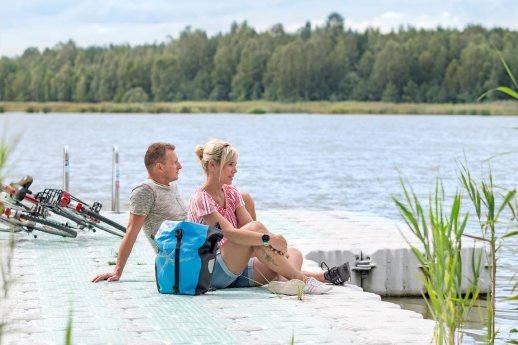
[(250, 234)]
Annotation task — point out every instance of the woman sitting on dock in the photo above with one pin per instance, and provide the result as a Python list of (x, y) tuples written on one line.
[(249, 255)]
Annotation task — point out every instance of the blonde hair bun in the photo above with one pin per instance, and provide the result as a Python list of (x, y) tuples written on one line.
[(198, 150), (217, 150)]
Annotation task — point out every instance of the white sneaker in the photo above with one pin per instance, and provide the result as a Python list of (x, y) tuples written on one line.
[(314, 287), (292, 287)]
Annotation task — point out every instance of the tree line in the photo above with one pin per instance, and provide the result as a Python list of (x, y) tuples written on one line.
[(329, 62)]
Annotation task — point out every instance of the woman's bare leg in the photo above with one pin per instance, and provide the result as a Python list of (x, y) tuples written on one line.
[(236, 257), (249, 204), (277, 263), (294, 257), (317, 275)]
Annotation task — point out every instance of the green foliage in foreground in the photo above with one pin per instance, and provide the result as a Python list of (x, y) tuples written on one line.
[(330, 62), (6, 258), (68, 333), (485, 201), (483, 197), (440, 235)]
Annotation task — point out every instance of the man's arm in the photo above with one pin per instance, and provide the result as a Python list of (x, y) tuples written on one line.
[(134, 225)]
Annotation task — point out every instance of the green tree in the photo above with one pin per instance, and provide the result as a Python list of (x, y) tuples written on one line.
[(135, 95), (391, 67), (475, 66), (226, 59), (247, 83)]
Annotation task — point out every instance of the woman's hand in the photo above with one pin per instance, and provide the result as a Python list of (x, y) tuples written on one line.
[(278, 244)]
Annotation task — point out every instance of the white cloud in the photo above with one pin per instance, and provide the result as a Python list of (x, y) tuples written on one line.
[(445, 20), (25, 23), (385, 22)]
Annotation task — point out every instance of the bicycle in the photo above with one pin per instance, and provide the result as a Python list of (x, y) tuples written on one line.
[(19, 223), (65, 204), (20, 208)]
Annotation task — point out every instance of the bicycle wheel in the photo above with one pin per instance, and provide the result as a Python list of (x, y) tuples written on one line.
[(11, 228), (11, 224), (95, 220), (52, 224), (79, 220), (108, 221), (83, 220), (111, 231), (49, 230)]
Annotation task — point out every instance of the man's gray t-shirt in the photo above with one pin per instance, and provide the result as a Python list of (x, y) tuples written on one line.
[(156, 202)]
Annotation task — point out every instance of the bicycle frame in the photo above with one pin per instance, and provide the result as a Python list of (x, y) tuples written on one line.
[(67, 205)]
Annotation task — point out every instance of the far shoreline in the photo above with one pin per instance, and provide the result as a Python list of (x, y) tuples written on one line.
[(505, 108)]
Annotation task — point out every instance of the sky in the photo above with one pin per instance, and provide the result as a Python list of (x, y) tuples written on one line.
[(45, 23)]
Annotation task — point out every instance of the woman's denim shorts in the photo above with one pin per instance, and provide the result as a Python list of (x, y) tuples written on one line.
[(223, 278)]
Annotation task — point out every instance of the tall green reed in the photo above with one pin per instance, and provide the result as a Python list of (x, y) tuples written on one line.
[(7, 280), (68, 331), (484, 196), (440, 235), (485, 200), (6, 258)]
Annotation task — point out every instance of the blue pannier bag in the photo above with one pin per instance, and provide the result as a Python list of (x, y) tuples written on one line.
[(186, 257)]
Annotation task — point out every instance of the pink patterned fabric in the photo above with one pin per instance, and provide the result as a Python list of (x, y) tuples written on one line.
[(201, 204)]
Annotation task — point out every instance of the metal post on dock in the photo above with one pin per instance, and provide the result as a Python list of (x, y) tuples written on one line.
[(66, 168), (115, 181)]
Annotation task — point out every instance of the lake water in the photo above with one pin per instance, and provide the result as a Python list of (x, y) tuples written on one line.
[(318, 162)]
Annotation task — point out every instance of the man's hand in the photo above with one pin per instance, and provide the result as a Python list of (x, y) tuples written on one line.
[(111, 277), (134, 224), (278, 244)]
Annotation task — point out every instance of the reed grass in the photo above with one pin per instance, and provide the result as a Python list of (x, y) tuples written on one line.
[(7, 280), (265, 107), (483, 198), (68, 332), (440, 235), (485, 201), (6, 258)]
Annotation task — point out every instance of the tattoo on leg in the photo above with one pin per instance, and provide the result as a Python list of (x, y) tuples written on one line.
[(269, 258)]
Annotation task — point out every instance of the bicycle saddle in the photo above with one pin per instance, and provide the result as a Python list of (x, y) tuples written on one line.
[(25, 182), (22, 187)]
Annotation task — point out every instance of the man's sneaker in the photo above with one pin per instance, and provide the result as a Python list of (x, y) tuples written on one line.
[(314, 287), (292, 287), (337, 275)]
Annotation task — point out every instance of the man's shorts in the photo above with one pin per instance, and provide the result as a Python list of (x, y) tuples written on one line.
[(222, 277)]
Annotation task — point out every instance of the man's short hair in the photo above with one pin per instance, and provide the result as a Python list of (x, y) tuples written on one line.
[(156, 154)]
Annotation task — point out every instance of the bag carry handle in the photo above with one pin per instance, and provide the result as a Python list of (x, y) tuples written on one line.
[(178, 236)]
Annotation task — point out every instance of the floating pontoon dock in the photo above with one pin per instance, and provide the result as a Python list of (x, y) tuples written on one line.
[(53, 281)]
